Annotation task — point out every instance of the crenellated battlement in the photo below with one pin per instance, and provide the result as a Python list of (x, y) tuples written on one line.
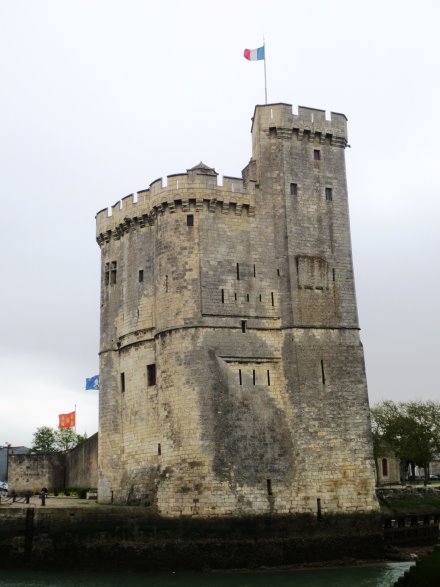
[(181, 190), (309, 122)]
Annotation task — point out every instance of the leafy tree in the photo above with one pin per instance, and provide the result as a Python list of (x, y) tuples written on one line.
[(43, 440), (81, 438), (65, 439), (410, 429), (46, 440)]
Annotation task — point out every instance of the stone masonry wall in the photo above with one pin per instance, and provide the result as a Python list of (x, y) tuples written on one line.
[(28, 473), (232, 374)]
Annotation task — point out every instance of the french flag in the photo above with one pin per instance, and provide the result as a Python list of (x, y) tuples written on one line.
[(254, 54)]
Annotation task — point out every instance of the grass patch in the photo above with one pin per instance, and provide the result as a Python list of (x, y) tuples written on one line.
[(404, 501), (426, 573)]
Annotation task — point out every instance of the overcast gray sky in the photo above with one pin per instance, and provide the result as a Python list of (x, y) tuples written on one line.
[(100, 97)]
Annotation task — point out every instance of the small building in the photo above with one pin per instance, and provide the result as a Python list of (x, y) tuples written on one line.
[(388, 469), (5, 453)]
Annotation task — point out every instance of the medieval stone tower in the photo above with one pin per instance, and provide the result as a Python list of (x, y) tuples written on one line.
[(232, 374)]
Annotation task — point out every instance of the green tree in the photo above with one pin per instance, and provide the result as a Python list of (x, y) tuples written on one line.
[(43, 440), (65, 439), (46, 440), (410, 429)]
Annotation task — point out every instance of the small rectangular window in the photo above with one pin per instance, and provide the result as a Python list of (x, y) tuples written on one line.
[(113, 272), (255, 272), (240, 380), (328, 194), (223, 296), (272, 298), (159, 449), (317, 155), (268, 377), (334, 274), (107, 273), (260, 297), (318, 509), (141, 275), (235, 296), (151, 375), (238, 271), (190, 220), (254, 377), (122, 382), (322, 372), (293, 189), (247, 297), (269, 486), (243, 326)]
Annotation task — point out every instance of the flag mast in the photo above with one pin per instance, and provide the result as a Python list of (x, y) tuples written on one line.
[(265, 80)]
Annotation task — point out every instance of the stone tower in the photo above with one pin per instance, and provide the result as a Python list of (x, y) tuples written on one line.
[(232, 374)]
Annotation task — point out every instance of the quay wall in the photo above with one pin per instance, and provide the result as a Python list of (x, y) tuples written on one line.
[(130, 538)]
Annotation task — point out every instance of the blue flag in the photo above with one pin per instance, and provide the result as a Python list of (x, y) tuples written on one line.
[(92, 382)]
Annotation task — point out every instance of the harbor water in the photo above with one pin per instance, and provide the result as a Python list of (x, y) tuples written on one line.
[(380, 575)]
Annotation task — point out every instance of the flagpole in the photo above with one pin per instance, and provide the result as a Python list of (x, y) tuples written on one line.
[(265, 80)]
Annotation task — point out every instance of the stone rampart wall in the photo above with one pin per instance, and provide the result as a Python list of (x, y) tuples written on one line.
[(56, 471)]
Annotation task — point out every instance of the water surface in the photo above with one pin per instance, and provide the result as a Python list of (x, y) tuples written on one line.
[(384, 575)]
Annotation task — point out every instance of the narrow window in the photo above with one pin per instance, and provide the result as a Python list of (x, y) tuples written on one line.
[(269, 486), (317, 155), (272, 298), (253, 376), (122, 382), (272, 131), (328, 194), (318, 509), (113, 272), (190, 220), (260, 297), (384, 467), (334, 274), (243, 326), (255, 272), (293, 189), (159, 449), (107, 273), (268, 377), (322, 372), (151, 375), (240, 380), (141, 275), (223, 296), (235, 296), (278, 272), (247, 297), (166, 283), (238, 271)]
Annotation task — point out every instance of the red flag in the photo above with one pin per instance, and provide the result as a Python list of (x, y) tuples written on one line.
[(67, 420)]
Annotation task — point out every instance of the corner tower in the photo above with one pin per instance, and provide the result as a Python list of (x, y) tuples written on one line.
[(232, 374)]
